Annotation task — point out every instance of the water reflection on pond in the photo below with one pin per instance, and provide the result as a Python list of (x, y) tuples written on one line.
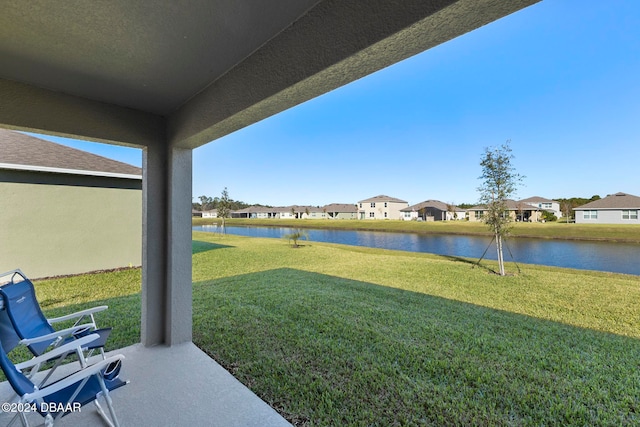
[(602, 256)]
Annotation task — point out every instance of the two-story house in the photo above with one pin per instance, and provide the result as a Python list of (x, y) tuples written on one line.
[(381, 207), (544, 204)]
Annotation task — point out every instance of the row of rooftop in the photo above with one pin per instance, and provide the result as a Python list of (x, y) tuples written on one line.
[(382, 207), (615, 208)]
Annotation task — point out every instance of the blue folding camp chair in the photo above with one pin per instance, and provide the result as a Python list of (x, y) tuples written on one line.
[(68, 394), (22, 321)]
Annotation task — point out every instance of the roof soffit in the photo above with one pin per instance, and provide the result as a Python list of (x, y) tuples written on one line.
[(139, 72), (149, 56)]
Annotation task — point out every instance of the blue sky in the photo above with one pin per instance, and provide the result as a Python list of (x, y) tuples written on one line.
[(560, 79)]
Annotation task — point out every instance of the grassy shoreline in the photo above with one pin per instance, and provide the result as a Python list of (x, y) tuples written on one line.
[(331, 334), (561, 231)]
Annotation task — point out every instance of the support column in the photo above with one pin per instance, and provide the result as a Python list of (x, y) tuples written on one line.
[(166, 246)]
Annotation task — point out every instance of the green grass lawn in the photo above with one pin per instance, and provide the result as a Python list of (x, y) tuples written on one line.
[(336, 335), (549, 230)]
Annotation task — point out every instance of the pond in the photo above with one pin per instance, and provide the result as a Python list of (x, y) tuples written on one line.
[(601, 256)]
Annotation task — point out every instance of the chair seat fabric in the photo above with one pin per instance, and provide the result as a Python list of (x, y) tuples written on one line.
[(41, 347), (86, 395)]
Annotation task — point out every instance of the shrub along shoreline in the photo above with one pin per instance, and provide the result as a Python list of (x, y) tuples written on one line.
[(550, 230), (337, 335)]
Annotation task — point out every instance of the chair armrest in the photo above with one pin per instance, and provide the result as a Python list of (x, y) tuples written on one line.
[(58, 351), (77, 314), (72, 379), (61, 333)]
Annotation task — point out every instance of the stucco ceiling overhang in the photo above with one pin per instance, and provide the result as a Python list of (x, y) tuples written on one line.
[(188, 72)]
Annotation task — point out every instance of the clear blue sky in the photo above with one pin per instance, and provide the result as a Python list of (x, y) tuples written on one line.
[(560, 79)]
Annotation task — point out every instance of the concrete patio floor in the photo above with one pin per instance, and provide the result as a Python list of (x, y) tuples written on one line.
[(171, 386)]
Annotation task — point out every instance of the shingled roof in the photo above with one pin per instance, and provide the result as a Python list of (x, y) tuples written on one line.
[(382, 198), (430, 204), (341, 207), (537, 199), (613, 201), (511, 205), (20, 151)]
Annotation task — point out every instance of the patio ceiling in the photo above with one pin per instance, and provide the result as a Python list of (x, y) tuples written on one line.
[(188, 72)]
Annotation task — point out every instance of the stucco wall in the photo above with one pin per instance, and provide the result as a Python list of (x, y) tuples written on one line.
[(53, 224), (606, 216), (346, 215), (392, 210)]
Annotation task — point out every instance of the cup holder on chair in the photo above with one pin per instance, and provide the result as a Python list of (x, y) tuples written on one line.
[(112, 370)]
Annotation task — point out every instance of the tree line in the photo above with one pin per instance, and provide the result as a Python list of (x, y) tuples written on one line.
[(208, 203)]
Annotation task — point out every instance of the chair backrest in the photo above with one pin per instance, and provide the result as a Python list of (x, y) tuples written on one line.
[(8, 336), (23, 311), (20, 383)]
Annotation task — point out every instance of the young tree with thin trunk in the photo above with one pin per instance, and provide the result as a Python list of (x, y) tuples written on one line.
[(499, 183), (224, 207)]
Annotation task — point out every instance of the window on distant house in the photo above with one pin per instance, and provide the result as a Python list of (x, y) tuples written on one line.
[(360, 205), (385, 214), (372, 214), (479, 214), (630, 214), (385, 204), (373, 205), (407, 214), (546, 205), (590, 215)]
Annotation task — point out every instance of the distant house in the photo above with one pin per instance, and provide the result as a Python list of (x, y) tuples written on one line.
[(544, 204), (306, 212), (66, 211), (341, 211), (433, 210), (381, 207), (517, 210), (255, 212), (213, 213), (619, 208), (281, 212), (333, 211)]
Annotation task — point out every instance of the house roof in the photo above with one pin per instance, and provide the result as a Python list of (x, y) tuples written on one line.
[(613, 201), (276, 209), (25, 152), (252, 209), (382, 198), (304, 208), (341, 207), (512, 205), (537, 199), (429, 204)]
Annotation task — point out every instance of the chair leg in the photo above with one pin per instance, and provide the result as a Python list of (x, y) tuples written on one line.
[(22, 417), (107, 398), (104, 415), (112, 411)]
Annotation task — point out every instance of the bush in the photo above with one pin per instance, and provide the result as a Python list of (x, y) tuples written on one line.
[(297, 235)]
